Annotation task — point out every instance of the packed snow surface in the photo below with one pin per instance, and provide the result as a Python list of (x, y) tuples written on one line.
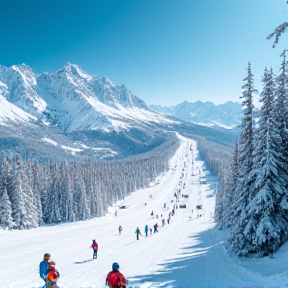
[(189, 252)]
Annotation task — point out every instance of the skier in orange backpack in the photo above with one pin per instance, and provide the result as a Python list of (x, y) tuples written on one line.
[(115, 279), (52, 276)]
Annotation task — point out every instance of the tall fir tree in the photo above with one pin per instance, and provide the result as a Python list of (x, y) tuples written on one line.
[(6, 219), (52, 207), (24, 211), (267, 212), (281, 108), (243, 186)]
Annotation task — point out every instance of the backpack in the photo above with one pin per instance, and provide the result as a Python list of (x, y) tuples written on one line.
[(117, 280)]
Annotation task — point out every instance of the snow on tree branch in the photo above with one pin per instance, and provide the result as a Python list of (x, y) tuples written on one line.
[(277, 33)]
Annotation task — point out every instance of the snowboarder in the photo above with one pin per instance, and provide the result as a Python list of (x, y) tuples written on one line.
[(94, 246), (115, 279), (44, 266), (120, 229), (52, 276), (138, 232), (146, 230)]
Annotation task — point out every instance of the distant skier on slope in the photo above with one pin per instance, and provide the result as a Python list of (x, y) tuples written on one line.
[(52, 276), (94, 246), (44, 266), (138, 232), (155, 228), (115, 279), (120, 229), (146, 230)]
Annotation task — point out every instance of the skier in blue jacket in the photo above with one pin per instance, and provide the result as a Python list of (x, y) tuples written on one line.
[(146, 230), (44, 266)]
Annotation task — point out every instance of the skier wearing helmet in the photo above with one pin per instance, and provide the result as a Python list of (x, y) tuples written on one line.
[(52, 276), (115, 279), (44, 266)]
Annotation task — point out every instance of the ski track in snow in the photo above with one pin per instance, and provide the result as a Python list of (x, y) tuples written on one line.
[(188, 253)]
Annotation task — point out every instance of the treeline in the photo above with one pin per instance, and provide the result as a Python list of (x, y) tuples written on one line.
[(33, 195), (253, 202), (217, 156)]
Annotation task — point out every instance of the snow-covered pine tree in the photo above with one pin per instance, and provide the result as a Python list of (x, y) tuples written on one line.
[(66, 194), (51, 213), (81, 208), (6, 220), (24, 211), (281, 107), (36, 186), (229, 209), (242, 196), (267, 211)]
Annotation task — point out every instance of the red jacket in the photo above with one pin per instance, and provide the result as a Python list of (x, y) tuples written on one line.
[(115, 279), (94, 246)]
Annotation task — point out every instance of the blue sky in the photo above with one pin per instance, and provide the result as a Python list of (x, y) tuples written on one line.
[(164, 51)]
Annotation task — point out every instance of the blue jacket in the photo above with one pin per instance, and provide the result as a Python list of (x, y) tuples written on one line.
[(43, 267)]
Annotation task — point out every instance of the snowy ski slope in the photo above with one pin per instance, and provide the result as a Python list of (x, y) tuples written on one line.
[(189, 252)]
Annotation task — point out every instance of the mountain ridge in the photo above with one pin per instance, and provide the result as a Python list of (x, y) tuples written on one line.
[(70, 114), (226, 115)]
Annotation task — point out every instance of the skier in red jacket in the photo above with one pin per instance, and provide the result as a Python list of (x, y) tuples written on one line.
[(94, 246), (115, 279)]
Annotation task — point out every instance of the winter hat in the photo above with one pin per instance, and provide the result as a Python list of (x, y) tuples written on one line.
[(52, 264), (46, 256), (115, 266)]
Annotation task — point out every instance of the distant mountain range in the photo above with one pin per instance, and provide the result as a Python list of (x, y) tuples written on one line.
[(227, 115), (70, 114)]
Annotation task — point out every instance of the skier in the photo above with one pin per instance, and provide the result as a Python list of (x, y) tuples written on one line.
[(94, 246), (115, 279), (150, 229), (146, 230), (52, 276), (138, 232), (163, 222), (155, 228), (120, 229), (44, 266)]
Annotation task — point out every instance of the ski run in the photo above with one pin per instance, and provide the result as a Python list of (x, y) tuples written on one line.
[(188, 252)]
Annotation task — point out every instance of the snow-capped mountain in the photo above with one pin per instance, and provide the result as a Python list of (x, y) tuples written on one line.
[(69, 113), (74, 100), (227, 115)]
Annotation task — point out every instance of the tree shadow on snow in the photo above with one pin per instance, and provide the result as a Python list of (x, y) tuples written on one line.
[(206, 264)]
